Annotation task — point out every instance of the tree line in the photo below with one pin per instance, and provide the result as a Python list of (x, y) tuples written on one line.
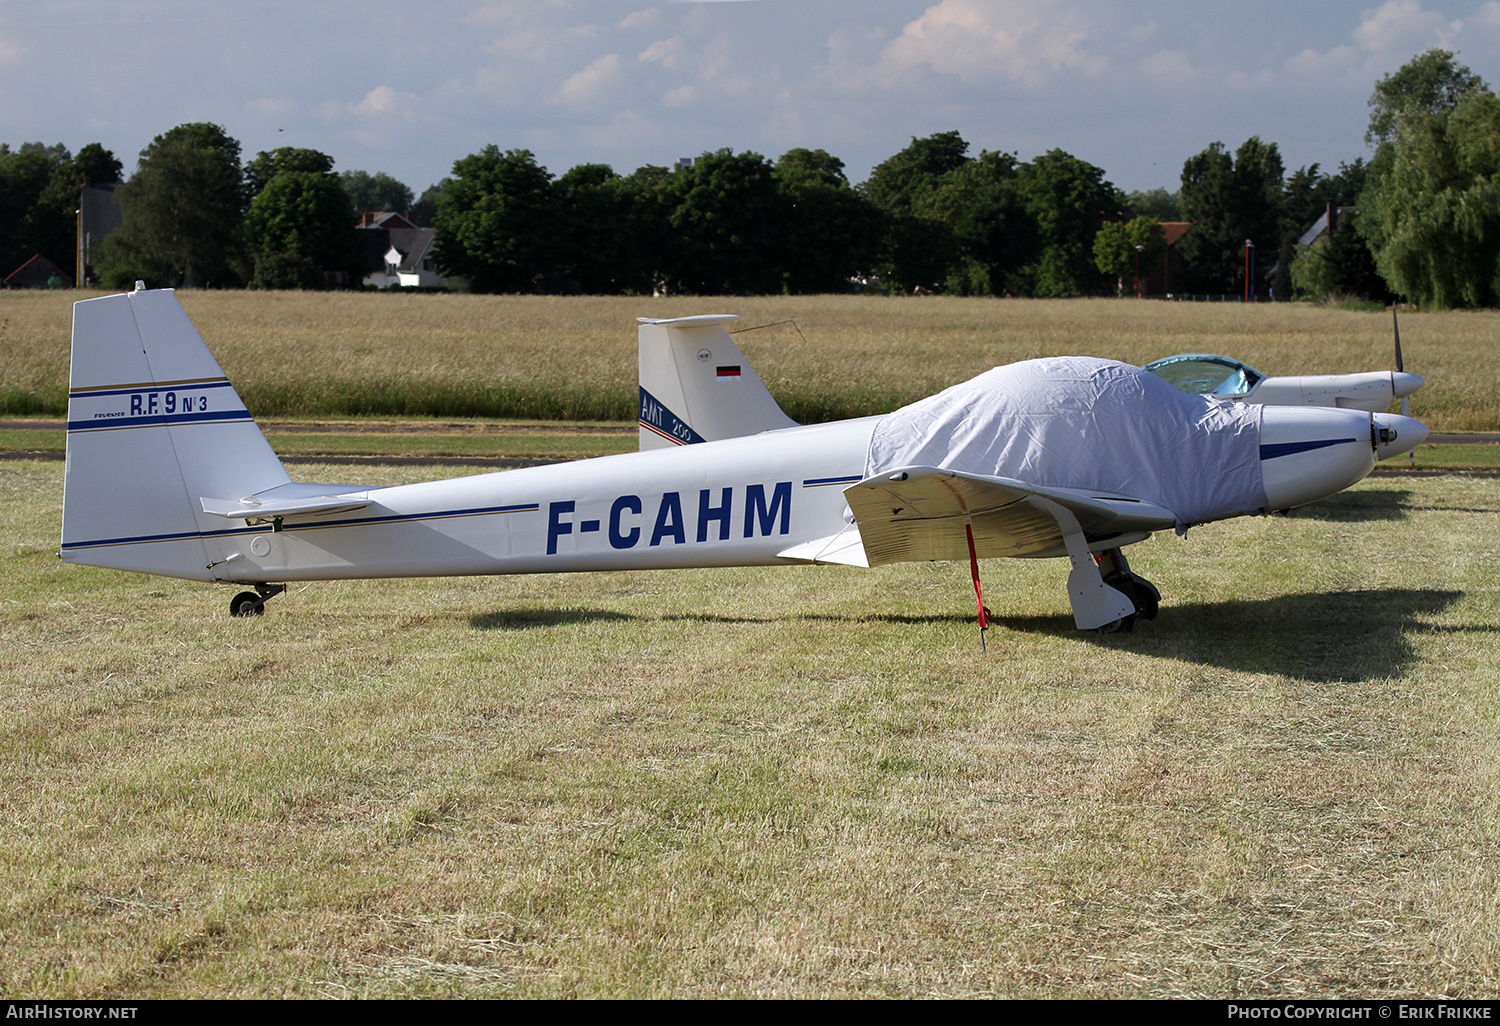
[(1420, 220)]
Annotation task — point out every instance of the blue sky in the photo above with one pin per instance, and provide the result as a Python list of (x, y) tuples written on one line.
[(1134, 87)]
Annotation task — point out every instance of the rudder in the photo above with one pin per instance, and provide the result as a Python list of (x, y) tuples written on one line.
[(696, 385), (153, 427)]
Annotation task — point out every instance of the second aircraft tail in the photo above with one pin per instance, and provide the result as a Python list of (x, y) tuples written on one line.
[(696, 385)]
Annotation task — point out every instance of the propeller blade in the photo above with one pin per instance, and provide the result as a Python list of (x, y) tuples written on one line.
[(1396, 326)]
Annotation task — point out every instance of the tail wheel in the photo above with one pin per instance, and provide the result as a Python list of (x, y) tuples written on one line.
[(247, 603)]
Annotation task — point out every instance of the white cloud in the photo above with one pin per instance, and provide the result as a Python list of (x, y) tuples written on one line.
[(639, 18), (595, 82), (1403, 27), (383, 102), (667, 51), (983, 41), (1385, 38), (682, 96)]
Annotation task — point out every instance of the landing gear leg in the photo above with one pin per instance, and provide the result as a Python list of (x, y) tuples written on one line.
[(253, 603), (1141, 592)]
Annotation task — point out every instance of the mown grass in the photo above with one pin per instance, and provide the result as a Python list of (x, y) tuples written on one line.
[(799, 782), (528, 357)]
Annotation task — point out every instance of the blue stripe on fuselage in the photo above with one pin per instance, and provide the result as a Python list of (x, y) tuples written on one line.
[(389, 518), (1279, 449)]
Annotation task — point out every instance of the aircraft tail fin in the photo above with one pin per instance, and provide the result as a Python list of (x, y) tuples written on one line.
[(153, 427), (696, 385)]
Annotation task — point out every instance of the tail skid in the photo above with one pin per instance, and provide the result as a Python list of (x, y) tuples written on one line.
[(696, 385)]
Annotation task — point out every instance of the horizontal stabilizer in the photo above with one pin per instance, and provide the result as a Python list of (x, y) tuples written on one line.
[(919, 513), (266, 508), (844, 548)]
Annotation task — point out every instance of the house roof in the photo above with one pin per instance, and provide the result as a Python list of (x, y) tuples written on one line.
[(1175, 230), (412, 244), (1320, 226), (36, 273), (385, 219)]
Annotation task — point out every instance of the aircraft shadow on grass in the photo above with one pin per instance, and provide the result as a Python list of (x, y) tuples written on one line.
[(530, 619), (1360, 506), (1320, 636), (1377, 504)]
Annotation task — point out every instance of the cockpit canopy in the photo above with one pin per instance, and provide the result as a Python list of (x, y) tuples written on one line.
[(1206, 374)]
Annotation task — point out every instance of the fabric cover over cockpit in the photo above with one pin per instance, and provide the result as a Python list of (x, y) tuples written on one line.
[(1079, 422)]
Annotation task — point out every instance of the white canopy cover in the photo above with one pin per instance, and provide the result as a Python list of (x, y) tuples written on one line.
[(1078, 422)]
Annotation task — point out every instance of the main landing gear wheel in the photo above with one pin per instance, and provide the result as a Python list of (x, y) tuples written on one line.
[(1141, 592), (253, 603)]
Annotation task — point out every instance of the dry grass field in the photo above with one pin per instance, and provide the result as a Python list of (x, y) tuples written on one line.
[(801, 782), (306, 354), (789, 782)]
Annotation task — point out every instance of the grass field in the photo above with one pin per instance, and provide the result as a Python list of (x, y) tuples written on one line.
[(796, 782), (573, 358)]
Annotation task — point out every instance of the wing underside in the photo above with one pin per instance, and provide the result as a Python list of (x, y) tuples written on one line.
[(919, 513)]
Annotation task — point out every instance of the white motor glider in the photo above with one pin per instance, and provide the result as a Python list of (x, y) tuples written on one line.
[(1226, 378), (167, 473)]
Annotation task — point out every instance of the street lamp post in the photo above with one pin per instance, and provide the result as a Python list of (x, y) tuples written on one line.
[(1138, 271), (1249, 266)]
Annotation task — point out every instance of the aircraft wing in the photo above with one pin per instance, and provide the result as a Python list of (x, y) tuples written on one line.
[(919, 513)]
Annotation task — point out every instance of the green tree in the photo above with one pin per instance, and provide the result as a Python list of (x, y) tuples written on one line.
[(1230, 199), (376, 192), (1434, 214), (1340, 262), (1125, 247), (39, 199), (29, 218), (424, 210), (726, 225), (496, 224), (1429, 85), (1157, 204), (987, 223), (1070, 200), (919, 250), (270, 163), (832, 232), (603, 245), (299, 226), (898, 180), (94, 165), (182, 212)]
